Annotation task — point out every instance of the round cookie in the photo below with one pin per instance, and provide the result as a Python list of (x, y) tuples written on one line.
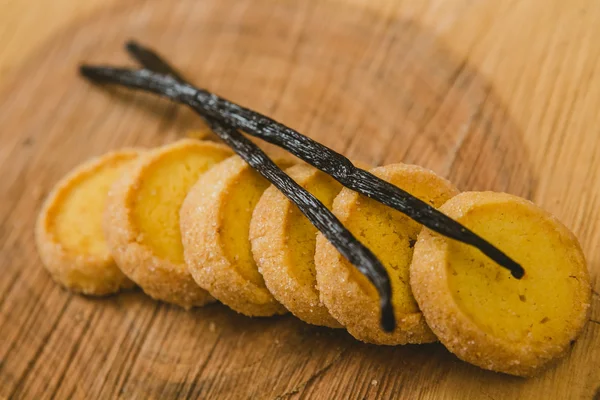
[(141, 220), (283, 245), (215, 223), (390, 235), (69, 227), (478, 310)]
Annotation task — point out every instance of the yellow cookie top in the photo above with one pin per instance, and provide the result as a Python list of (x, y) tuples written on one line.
[(142, 219), (215, 223), (390, 235), (483, 314), (69, 229), (161, 187), (283, 245)]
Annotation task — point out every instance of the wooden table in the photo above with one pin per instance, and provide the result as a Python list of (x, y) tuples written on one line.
[(494, 95)]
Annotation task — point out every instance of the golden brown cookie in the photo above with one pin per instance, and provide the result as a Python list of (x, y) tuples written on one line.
[(283, 245), (215, 223), (141, 220), (390, 235), (478, 310), (69, 228)]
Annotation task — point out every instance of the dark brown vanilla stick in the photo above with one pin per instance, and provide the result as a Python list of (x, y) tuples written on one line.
[(314, 153), (310, 206)]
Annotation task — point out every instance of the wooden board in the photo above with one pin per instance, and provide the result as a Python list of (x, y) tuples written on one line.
[(452, 86)]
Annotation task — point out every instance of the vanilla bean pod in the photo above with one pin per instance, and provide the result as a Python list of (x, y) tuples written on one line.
[(339, 167), (310, 206)]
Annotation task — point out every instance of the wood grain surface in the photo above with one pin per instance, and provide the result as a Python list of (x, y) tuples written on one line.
[(493, 95)]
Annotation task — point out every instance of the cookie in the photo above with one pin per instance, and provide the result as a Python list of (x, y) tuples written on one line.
[(283, 245), (141, 220), (478, 310), (215, 223), (390, 235), (69, 227)]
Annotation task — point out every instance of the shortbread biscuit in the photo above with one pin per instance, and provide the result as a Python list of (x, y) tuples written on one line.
[(283, 245), (390, 235), (478, 310), (141, 220), (69, 228), (215, 223)]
